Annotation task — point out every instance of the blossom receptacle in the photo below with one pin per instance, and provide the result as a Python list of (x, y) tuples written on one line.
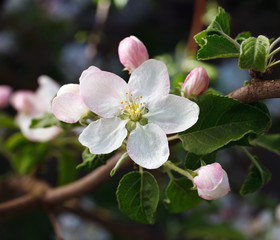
[(132, 53), (212, 182), (196, 82), (5, 94)]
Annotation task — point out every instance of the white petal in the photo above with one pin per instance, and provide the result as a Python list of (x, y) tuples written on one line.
[(102, 92), (35, 134), (173, 114), (104, 135), (150, 80), (91, 69), (69, 107), (69, 88), (148, 146)]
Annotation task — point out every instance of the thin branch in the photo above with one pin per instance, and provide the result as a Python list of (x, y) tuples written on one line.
[(197, 24), (56, 226), (257, 90), (82, 186)]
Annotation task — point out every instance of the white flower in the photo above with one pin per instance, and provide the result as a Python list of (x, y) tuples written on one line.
[(141, 109), (68, 106), (32, 105)]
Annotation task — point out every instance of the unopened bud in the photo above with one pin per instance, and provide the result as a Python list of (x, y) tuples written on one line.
[(132, 53), (5, 93), (196, 82), (212, 182)]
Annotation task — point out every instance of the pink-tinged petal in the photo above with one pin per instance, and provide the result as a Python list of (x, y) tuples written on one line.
[(196, 82), (148, 146), (212, 182), (46, 91), (104, 135), (36, 134), (90, 70), (209, 176), (150, 80), (24, 101), (69, 107), (103, 92), (132, 53), (5, 94), (173, 114), (69, 88)]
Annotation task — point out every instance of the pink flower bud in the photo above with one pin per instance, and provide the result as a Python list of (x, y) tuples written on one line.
[(212, 182), (196, 82), (5, 93), (132, 53), (24, 101)]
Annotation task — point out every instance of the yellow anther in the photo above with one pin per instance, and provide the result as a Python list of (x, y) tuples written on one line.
[(121, 109), (136, 98), (140, 96), (131, 94), (125, 101), (144, 102), (126, 93), (141, 104), (121, 102), (126, 107)]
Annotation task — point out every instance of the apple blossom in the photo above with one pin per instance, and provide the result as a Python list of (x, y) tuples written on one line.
[(32, 105), (141, 109), (211, 181), (68, 105), (196, 82), (5, 93), (132, 53)]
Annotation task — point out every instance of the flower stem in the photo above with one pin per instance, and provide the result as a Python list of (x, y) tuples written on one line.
[(174, 137), (277, 40), (119, 163), (173, 167), (272, 64), (273, 53)]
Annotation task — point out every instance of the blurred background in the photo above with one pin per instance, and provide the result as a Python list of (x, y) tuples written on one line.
[(61, 38)]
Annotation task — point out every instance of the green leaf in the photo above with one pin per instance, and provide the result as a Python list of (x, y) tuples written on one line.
[(138, 196), (92, 161), (221, 121), (6, 121), (47, 120), (27, 157), (220, 23), (270, 142), (179, 196), (242, 36), (193, 161), (254, 53), (258, 176), (66, 167), (217, 47)]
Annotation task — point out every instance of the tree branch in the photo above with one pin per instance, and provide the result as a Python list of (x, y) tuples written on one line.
[(57, 195), (257, 90)]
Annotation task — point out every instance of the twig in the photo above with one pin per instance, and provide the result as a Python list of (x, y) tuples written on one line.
[(257, 90), (56, 226), (197, 25)]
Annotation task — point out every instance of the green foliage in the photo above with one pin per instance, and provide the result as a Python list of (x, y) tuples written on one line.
[(92, 161), (25, 155), (214, 232), (258, 176), (270, 142), (66, 167), (179, 196), (6, 121), (215, 42), (47, 120), (254, 53), (221, 121), (242, 36), (193, 161), (138, 196)]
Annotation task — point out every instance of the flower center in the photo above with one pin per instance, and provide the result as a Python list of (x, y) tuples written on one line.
[(133, 108)]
